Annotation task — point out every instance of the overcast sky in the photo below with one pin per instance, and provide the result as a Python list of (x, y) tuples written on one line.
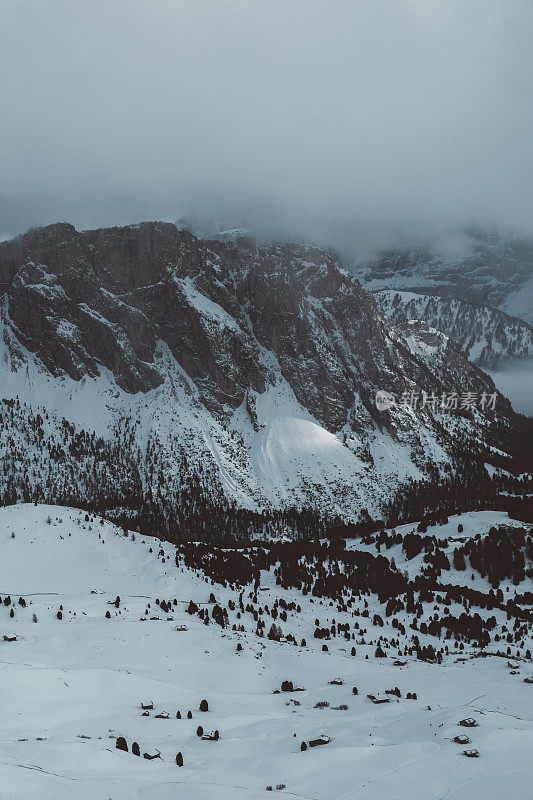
[(382, 118)]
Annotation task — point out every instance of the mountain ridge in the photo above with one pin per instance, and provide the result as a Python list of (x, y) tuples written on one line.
[(250, 368), (487, 336), (485, 267)]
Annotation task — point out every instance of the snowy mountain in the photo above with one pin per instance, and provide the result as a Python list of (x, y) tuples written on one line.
[(157, 375), (487, 337), (322, 681), (488, 269)]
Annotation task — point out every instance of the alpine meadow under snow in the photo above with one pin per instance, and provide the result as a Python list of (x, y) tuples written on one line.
[(99, 622)]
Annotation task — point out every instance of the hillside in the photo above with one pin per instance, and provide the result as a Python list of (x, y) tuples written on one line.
[(179, 382), (71, 686)]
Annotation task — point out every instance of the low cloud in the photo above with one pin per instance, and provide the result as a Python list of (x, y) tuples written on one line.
[(364, 122), (515, 381)]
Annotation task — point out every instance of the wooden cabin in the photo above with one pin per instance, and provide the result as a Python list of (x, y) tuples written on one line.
[(378, 699), (151, 756), (147, 706), (461, 739), (471, 753), (396, 692), (319, 741), (469, 722)]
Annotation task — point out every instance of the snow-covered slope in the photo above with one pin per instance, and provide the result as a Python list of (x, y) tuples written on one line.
[(519, 301), (487, 336), (72, 685)]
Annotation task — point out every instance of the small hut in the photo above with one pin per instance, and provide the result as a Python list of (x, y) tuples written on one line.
[(320, 740), (378, 699), (151, 756)]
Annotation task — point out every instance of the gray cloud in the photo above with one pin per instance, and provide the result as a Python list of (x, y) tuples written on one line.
[(515, 381), (354, 120)]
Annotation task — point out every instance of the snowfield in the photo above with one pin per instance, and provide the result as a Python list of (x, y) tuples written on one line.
[(71, 686)]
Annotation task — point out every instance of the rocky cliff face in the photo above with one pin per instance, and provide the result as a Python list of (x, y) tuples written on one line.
[(80, 300), (257, 363)]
